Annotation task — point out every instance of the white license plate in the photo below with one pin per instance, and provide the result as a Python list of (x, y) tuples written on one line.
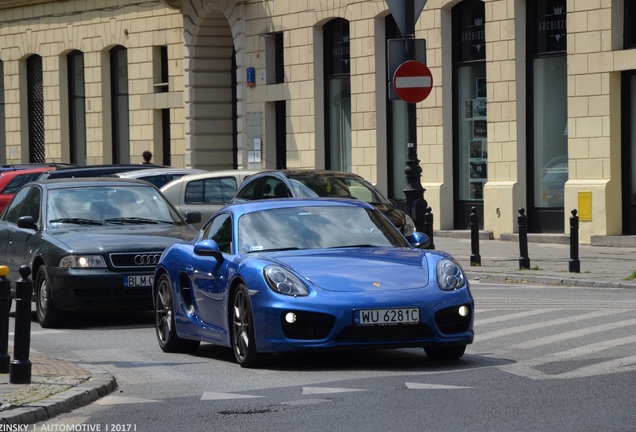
[(386, 316), (138, 281)]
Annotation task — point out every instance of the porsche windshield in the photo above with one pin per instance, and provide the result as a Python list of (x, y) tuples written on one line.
[(316, 227)]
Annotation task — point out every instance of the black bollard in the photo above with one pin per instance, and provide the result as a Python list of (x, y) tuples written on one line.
[(20, 372), (524, 260), (5, 309), (574, 265), (428, 226), (475, 258)]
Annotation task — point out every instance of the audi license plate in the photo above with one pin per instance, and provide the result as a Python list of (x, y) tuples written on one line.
[(386, 316), (138, 281)]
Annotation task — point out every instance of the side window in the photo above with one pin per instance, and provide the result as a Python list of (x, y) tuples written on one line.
[(220, 230), (25, 203), (268, 188), (14, 185), (247, 192), (194, 192), (219, 190)]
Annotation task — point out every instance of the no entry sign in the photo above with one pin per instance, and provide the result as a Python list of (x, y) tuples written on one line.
[(413, 81)]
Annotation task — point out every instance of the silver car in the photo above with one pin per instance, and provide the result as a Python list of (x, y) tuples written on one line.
[(159, 176), (205, 193)]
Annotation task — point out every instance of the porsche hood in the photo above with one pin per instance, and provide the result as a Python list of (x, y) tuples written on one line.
[(361, 269)]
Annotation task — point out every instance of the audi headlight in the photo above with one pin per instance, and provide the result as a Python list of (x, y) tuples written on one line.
[(409, 226), (83, 261), (285, 282), (449, 275)]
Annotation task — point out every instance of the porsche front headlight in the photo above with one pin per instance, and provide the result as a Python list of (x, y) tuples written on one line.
[(284, 282), (82, 261), (449, 275)]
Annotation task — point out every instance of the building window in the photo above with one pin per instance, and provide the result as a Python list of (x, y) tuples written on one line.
[(35, 101), (630, 30), (471, 140), (628, 153), (275, 55), (119, 101), (3, 132), (337, 95), (77, 107), (548, 143), (162, 85), (161, 77), (165, 137)]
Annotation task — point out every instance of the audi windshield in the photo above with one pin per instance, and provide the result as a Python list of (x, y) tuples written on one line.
[(109, 206)]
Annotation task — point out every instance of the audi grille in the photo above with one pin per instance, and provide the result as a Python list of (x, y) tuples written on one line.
[(135, 260)]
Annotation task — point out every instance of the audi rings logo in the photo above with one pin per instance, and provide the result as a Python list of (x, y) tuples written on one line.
[(147, 259)]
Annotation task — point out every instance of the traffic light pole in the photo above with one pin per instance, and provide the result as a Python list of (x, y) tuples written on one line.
[(413, 191)]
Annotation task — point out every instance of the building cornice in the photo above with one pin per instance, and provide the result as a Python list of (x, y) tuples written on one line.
[(9, 4)]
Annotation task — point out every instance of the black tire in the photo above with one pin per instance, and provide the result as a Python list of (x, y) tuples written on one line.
[(47, 313), (441, 353), (164, 321), (243, 342)]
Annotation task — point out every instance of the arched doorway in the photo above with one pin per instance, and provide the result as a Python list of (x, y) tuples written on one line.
[(210, 94)]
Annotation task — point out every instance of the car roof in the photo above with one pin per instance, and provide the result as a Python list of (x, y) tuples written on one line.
[(211, 174), (90, 181), (45, 165), (158, 170), (259, 205), (96, 170), (14, 173), (311, 172)]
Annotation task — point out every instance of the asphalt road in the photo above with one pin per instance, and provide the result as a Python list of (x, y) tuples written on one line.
[(544, 359)]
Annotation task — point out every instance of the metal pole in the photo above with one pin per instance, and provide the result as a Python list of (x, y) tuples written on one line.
[(413, 191), (5, 309), (21, 365), (475, 257), (574, 264), (524, 260)]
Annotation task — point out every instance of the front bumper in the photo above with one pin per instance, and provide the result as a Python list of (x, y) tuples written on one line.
[(80, 289)]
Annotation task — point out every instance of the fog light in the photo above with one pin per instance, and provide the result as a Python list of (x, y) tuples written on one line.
[(463, 311), (290, 317)]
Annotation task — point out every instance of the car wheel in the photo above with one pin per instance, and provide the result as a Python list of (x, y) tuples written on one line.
[(243, 342), (164, 320), (48, 315), (445, 352)]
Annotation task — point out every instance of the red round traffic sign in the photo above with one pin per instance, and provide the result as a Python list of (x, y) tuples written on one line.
[(413, 81)]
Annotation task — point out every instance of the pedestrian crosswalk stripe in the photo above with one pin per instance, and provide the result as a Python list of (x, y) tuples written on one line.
[(225, 396), (124, 400), (585, 331), (424, 386), (542, 324), (325, 390)]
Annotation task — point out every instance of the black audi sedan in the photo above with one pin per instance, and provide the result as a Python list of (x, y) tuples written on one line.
[(308, 183), (91, 243)]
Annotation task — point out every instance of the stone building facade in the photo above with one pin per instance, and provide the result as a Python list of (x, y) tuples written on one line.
[(532, 104)]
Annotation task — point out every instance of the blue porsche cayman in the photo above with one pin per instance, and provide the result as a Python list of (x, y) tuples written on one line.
[(286, 275)]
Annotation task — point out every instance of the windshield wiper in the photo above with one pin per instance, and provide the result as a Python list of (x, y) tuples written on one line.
[(353, 246), (77, 221), (274, 249), (132, 220)]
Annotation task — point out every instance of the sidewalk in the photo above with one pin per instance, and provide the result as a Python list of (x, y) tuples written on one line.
[(600, 266), (58, 386)]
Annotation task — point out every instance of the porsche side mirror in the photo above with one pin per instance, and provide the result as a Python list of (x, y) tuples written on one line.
[(208, 248), (419, 240)]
